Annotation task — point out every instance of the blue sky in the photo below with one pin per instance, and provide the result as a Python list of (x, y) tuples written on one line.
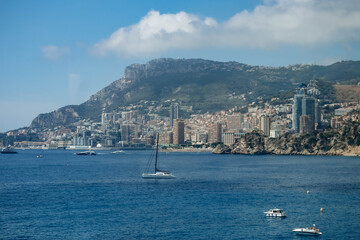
[(57, 53)]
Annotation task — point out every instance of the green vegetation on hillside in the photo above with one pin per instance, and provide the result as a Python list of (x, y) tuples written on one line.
[(207, 86)]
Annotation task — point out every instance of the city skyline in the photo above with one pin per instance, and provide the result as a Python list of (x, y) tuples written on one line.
[(55, 54)]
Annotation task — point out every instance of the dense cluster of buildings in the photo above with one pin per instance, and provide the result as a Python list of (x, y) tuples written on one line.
[(131, 129)]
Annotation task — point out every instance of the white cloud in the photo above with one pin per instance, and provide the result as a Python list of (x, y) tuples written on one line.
[(157, 32), (278, 22), (54, 52)]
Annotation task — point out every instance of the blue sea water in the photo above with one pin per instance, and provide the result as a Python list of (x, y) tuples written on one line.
[(65, 196)]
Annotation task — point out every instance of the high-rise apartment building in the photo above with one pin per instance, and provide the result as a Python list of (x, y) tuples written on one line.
[(218, 132), (306, 124), (305, 105), (179, 128), (308, 109), (297, 111), (265, 125), (174, 112)]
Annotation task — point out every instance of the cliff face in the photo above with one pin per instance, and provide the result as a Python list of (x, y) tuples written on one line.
[(318, 143), (62, 116)]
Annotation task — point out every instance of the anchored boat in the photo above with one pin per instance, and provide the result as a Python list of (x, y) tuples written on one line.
[(157, 174), (307, 231), (275, 212), (8, 150)]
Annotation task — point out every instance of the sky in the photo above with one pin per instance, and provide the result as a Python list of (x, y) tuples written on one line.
[(57, 53)]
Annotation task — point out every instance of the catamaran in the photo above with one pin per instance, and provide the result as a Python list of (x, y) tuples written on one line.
[(157, 174)]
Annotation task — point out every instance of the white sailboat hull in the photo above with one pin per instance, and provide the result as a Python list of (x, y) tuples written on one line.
[(158, 175)]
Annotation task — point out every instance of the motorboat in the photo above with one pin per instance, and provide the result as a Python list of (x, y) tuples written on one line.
[(40, 156), (157, 174), (275, 212), (118, 152), (86, 153), (307, 231), (8, 150)]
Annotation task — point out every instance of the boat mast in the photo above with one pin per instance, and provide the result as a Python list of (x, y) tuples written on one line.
[(157, 147)]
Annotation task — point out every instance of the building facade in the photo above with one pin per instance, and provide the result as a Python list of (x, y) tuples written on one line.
[(265, 125), (179, 130), (174, 112)]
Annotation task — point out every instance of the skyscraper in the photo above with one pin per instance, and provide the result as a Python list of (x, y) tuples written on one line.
[(179, 127), (306, 124), (218, 132), (308, 109), (174, 112), (265, 125), (297, 111), (305, 105)]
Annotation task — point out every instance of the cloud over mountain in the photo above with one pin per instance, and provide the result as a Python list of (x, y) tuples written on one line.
[(278, 22)]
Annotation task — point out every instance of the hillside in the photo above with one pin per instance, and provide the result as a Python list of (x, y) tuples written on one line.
[(205, 85), (347, 93)]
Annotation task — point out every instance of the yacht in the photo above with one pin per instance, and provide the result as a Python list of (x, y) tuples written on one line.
[(157, 174), (86, 153), (307, 231), (275, 212), (8, 149)]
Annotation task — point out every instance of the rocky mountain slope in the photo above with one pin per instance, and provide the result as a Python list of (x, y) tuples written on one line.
[(205, 85)]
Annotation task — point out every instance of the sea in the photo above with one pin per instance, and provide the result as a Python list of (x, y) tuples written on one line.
[(66, 196)]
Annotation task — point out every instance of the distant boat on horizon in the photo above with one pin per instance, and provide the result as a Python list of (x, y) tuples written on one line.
[(86, 153), (118, 152), (8, 150), (157, 174)]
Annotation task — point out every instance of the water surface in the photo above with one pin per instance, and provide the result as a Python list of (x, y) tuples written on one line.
[(65, 196)]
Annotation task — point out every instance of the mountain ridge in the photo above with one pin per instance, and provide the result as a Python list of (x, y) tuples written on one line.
[(203, 84)]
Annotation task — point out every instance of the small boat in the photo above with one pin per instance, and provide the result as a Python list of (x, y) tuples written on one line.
[(118, 152), (157, 174), (86, 153), (40, 156), (307, 231), (275, 212), (8, 150)]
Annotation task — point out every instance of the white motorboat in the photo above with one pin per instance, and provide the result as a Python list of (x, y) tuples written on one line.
[(275, 212), (118, 152), (307, 231), (157, 174)]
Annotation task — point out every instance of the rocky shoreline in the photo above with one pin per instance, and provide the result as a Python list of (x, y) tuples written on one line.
[(289, 144)]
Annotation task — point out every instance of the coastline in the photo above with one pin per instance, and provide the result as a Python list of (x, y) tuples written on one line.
[(348, 152)]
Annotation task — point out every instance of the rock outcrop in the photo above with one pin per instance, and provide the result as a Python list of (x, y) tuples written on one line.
[(318, 143), (60, 117)]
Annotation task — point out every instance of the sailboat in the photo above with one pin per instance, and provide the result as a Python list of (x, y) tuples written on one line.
[(157, 174)]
